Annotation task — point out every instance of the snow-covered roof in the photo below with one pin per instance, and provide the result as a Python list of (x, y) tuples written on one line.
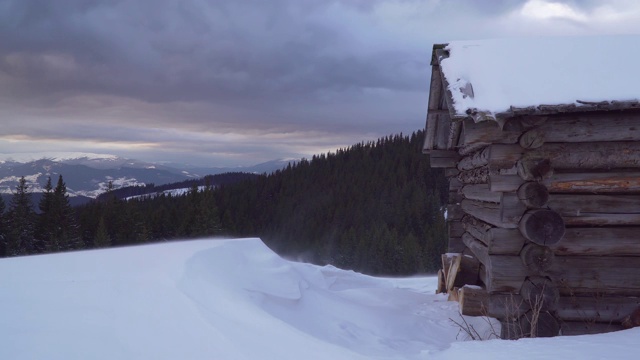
[(503, 75)]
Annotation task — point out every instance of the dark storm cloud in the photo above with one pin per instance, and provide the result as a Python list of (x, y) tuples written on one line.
[(185, 51), (227, 76)]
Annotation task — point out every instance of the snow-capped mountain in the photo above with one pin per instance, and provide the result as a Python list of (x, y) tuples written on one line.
[(88, 175)]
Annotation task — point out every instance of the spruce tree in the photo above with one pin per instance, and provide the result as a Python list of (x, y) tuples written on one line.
[(65, 233), (21, 217), (46, 221)]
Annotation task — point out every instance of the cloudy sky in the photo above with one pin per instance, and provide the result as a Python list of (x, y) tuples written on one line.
[(238, 82)]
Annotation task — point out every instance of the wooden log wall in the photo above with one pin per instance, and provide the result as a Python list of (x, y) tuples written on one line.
[(549, 209)]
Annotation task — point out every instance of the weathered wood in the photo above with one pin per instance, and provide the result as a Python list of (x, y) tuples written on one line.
[(533, 195), (540, 293), (455, 184), (453, 294), (543, 227), (476, 301), (538, 259), (430, 133), (609, 182), (610, 126), (502, 273), (606, 275), (487, 132), (532, 139), (487, 212), (475, 176), (451, 172), (455, 245), (597, 308), (480, 250), (455, 197), (454, 212), (476, 228), (505, 241), (443, 158), (456, 229), (453, 137), (534, 169), (511, 208), (504, 183), (499, 241), (481, 192), (597, 209), (597, 155), (450, 266), (598, 241), (504, 156), (475, 160), (469, 269), (443, 129), (531, 324), (441, 287), (570, 328), (473, 301)]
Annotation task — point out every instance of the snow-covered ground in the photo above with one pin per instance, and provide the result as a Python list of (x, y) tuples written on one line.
[(236, 299)]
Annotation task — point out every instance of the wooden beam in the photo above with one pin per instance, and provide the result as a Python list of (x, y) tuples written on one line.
[(606, 275), (543, 227), (610, 126), (578, 210), (499, 241), (488, 212), (443, 158), (533, 195), (598, 308), (599, 241), (502, 273), (597, 155), (606, 182), (481, 192)]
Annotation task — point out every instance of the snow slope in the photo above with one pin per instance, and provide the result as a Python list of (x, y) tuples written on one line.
[(236, 299)]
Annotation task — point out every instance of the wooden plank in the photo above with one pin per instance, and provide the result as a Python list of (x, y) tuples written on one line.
[(607, 182), (476, 301), (487, 212), (481, 192), (430, 133), (597, 209), (450, 172), (452, 272), (609, 126), (600, 308), (611, 275), (597, 155), (441, 288), (455, 128), (502, 273), (599, 241), (455, 184), (443, 158)]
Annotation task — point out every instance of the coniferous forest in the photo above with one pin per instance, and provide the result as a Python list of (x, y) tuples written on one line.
[(374, 207)]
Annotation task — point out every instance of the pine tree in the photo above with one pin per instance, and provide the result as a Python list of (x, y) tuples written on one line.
[(46, 221), (66, 235), (102, 238), (20, 239)]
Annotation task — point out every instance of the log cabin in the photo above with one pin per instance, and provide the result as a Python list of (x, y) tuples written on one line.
[(540, 140)]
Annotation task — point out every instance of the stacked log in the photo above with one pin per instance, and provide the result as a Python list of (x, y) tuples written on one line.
[(549, 207)]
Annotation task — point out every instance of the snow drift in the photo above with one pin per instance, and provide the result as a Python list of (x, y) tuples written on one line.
[(236, 299)]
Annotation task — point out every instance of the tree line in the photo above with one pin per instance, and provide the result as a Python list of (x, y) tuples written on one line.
[(374, 207)]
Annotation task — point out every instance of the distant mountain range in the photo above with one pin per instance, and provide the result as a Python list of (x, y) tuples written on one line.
[(87, 175)]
